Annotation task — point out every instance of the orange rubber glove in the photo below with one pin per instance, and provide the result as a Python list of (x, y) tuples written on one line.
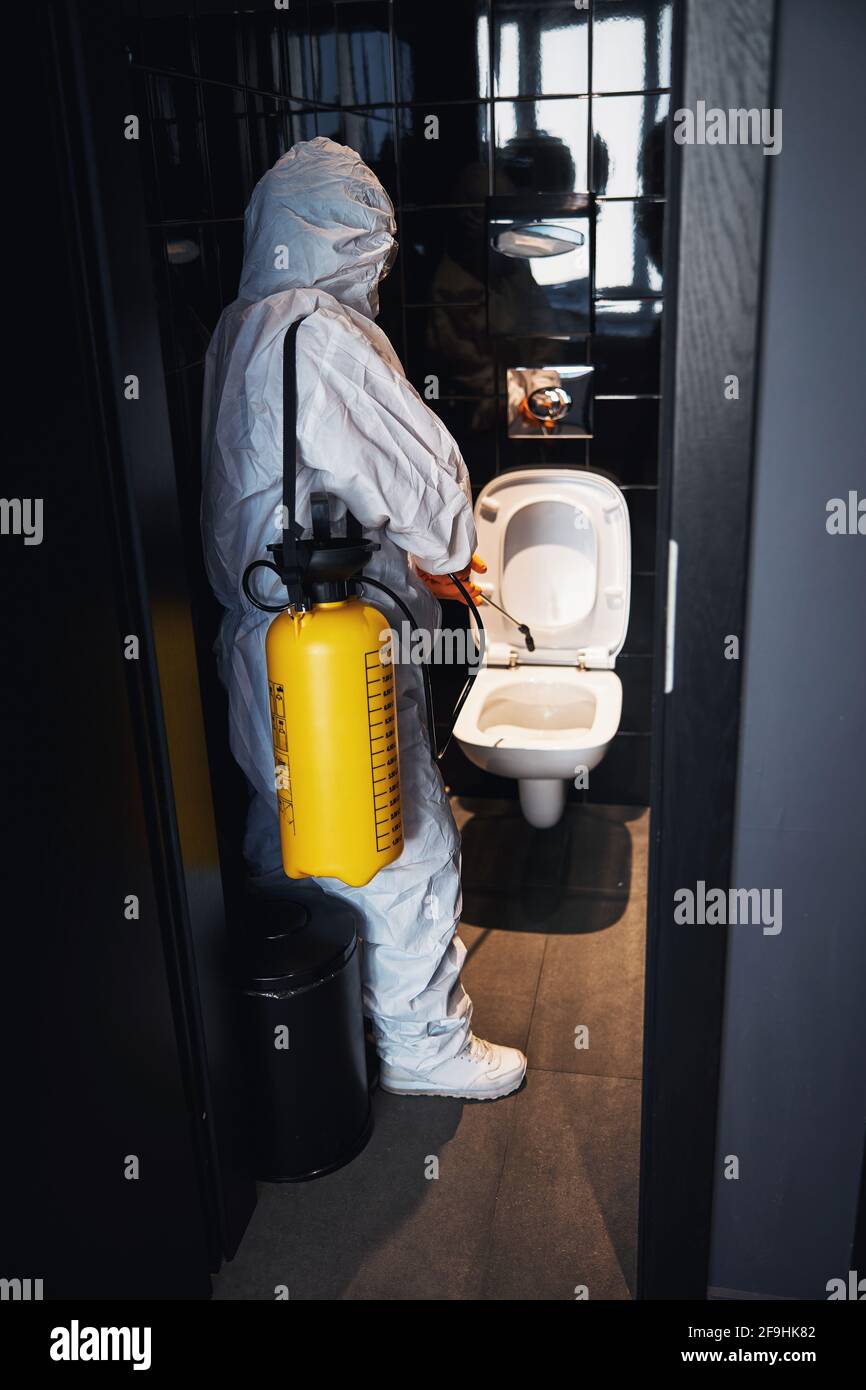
[(442, 587)]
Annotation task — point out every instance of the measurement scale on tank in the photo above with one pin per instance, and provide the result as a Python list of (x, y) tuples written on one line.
[(384, 761)]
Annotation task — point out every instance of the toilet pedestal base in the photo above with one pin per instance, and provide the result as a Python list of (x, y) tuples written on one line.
[(542, 800)]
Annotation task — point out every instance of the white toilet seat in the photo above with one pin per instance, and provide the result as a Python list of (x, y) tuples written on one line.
[(557, 545), (539, 721)]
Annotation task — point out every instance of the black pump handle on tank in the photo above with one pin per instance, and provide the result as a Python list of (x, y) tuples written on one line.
[(327, 568)]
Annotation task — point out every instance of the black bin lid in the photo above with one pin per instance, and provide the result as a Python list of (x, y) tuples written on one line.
[(293, 944)]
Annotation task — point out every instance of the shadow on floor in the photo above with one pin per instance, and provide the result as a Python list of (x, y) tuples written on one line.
[(573, 878)]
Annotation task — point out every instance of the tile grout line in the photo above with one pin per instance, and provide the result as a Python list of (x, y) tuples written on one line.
[(596, 1075)]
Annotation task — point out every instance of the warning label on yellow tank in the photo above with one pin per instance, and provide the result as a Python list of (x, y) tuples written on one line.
[(282, 771)]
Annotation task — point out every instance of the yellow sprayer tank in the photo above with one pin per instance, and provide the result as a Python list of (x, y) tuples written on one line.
[(334, 712)]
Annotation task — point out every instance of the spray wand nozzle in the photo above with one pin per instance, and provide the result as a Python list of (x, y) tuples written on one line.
[(521, 627)]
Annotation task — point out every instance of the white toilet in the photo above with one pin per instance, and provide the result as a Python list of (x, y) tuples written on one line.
[(558, 551)]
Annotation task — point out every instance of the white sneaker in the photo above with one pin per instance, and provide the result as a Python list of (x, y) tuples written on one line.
[(481, 1071)]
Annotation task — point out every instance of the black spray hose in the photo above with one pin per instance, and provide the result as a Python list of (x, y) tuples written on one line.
[(425, 668)]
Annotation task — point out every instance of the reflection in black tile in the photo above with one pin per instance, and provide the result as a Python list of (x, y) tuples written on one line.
[(443, 255), (263, 43), (178, 143), (298, 58), (229, 238), (443, 154), (541, 453), (625, 442), (530, 406), (441, 51), (138, 82), (184, 397), (365, 52), (323, 43), (189, 384), (526, 301), (628, 248), (472, 424), (268, 132), (302, 125), (370, 134), (642, 521), (390, 315), (636, 674), (351, 53), (330, 124), (178, 419), (639, 637), (628, 145), (160, 272), (231, 177), (540, 50), (221, 48), (541, 352), (631, 45), (626, 347), (450, 345), (541, 146), (622, 778), (194, 288)]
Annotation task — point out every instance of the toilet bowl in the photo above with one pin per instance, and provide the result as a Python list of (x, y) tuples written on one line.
[(558, 554)]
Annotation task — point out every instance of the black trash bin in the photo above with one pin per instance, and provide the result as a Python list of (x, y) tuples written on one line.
[(303, 1033)]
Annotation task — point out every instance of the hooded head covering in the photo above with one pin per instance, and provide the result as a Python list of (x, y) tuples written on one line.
[(320, 219)]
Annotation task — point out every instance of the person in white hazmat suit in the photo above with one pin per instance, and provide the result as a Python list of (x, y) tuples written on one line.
[(318, 238)]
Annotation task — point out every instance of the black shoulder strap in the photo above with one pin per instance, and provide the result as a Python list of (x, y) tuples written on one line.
[(291, 529)]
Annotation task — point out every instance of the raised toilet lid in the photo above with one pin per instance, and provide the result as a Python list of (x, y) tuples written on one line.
[(558, 549)]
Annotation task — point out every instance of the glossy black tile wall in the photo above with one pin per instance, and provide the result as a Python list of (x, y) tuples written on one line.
[(267, 50), (351, 53), (451, 104), (229, 239), (628, 249), (451, 349), (164, 40), (444, 255), (473, 424), (542, 453), (269, 131), (441, 51), (631, 45), (221, 48), (635, 672), (628, 145), (443, 153), (228, 147), (626, 347), (539, 49), (188, 258), (622, 778), (541, 146), (177, 140), (641, 503), (639, 637), (625, 439)]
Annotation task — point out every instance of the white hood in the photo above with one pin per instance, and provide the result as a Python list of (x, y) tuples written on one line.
[(320, 219)]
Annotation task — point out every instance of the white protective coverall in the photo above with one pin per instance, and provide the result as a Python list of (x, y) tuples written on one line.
[(318, 235)]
